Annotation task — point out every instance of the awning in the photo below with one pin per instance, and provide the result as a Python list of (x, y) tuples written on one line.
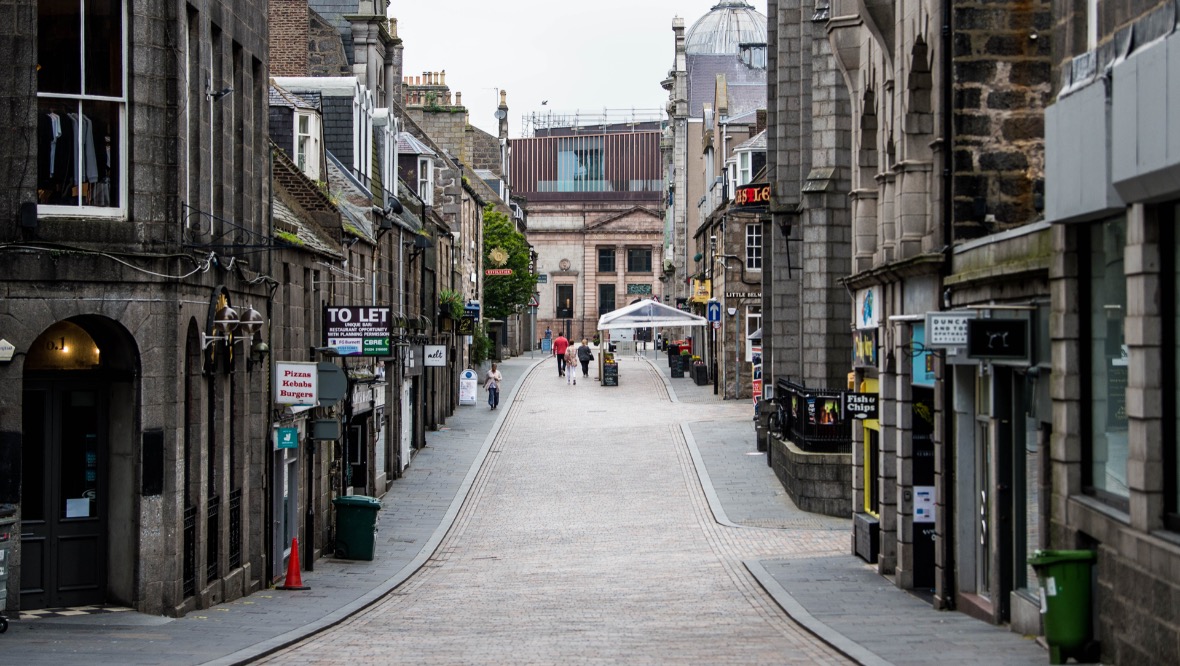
[(648, 314)]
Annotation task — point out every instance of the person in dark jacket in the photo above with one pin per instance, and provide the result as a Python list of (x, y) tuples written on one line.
[(584, 357)]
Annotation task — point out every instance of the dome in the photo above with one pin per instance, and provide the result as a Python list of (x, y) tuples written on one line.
[(729, 23)]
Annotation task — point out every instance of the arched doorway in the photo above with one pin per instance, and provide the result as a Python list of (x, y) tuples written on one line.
[(78, 405)]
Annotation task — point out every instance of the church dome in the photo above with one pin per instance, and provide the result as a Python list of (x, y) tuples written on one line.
[(728, 24)]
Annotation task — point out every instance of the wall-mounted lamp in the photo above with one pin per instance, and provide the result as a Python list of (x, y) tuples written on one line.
[(218, 95), (421, 243), (230, 328), (732, 311), (349, 242), (784, 225)]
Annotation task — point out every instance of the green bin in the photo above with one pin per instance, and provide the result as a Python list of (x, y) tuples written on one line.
[(1065, 601), (356, 526)]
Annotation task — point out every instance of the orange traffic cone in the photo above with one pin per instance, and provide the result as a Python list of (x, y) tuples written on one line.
[(294, 579)]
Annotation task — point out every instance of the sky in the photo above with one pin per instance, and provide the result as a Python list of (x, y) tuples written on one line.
[(583, 56)]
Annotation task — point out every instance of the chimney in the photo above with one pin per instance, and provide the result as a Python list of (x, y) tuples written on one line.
[(458, 99), (502, 114), (759, 120)]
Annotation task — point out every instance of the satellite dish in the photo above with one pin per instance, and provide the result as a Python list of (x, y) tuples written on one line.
[(501, 114)]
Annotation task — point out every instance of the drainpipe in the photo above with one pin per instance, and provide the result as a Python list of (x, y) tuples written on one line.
[(946, 600)]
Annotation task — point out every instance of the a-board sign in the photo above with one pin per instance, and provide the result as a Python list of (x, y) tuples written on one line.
[(468, 387), (610, 374)]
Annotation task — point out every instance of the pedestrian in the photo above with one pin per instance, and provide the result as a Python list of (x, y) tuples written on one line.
[(560, 345), (571, 366), (492, 384), (584, 357)]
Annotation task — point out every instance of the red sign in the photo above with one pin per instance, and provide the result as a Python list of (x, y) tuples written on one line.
[(498, 271), (751, 195)]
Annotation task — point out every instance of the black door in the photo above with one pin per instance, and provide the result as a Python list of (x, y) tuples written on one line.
[(65, 496)]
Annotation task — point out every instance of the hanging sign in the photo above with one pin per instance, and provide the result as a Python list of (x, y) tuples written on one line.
[(751, 195), (6, 351), (287, 438), (868, 311), (436, 356), (357, 330), (1000, 339), (860, 405), (947, 329), (296, 384)]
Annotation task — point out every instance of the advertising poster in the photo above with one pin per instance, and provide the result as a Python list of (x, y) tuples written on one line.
[(357, 330)]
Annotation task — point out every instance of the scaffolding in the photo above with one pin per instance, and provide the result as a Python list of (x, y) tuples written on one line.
[(543, 123)]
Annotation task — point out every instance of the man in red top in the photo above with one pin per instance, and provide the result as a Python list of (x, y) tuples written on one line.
[(559, 347)]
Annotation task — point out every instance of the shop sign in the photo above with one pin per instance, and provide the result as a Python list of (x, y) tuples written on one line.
[(864, 352), (947, 329), (468, 387), (287, 438), (751, 195), (642, 289), (700, 291), (868, 314), (743, 294), (861, 405), (498, 271), (6, 350), (436, 356), (296, 384), (998, 339), (357, 330)]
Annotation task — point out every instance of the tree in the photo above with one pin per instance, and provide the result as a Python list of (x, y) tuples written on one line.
[(505, 247)]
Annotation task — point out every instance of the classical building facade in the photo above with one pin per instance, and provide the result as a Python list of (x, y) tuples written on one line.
[(593, 199)]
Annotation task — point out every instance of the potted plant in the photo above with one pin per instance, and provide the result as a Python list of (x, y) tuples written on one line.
[(450, 304)]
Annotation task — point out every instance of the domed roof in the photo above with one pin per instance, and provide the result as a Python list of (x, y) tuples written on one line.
[(728, 23)]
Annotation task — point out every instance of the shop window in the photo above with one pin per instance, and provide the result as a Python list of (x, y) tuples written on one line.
[(754, 247), (81, 103), (606, 260), (1104, 286), (1170, 252), (639, 260)]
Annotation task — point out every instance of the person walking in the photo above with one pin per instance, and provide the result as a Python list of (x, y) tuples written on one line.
[(585, 355), (492, 384), (571, 366), (560, 345)]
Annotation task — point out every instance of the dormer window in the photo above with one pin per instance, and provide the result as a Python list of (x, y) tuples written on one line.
[(744, 167), (307, 144), (426, 180)]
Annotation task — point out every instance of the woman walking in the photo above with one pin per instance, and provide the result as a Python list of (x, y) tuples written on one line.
[(571, 365), (584, 357), (492, 384)]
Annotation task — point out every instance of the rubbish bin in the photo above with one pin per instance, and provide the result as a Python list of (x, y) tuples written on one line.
[(1064, 577), (356, 526)]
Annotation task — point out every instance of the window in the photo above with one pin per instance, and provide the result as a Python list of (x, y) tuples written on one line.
[(565, 301), (606, 260), (81, 103), (606, 298), (580, 166), (362, 134), (1104, 289), (753, 324), (426, 180), (744, 174), (754, 246), (1170, 253), (639, 260), (307, 144), (731, 175)]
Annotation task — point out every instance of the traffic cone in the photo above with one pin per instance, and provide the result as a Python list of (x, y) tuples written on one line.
[(294, 580)]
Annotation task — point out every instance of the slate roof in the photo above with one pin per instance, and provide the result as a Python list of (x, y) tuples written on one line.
[(408, 144), (746, 86), (756, 142), (306, 233), (280, 96)]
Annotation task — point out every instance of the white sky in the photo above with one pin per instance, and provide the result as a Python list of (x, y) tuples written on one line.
[(577, 55)]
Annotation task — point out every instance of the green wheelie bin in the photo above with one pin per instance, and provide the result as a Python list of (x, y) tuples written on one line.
[(1064, 577), (356, 526)]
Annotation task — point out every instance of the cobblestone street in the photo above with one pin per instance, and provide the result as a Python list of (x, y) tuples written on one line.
[(586, 538)]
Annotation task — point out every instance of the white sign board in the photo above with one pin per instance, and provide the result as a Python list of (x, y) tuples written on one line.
[(622, 335), (296, 384), (468, 387), (947, 329), (436, 356), (6, 350), (923, 504)]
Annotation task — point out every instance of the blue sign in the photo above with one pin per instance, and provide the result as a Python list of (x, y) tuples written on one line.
[(713, 311), (287, 438)]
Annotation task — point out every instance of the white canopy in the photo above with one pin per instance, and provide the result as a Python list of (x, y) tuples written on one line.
[(648, 314)]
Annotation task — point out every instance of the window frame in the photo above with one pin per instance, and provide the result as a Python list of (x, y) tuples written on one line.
[(614, 297), (614, 263), (1086, 364), (753, 250), (312, 168), (426, 179), (81, 98), (745, 164), (630, 263)]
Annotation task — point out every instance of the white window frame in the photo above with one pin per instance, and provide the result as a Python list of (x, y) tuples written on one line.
[(426, 179), (120, 211), (362, 133), (745, 164), (753, 246), (731, 176), (310, 166), (753, 323)]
